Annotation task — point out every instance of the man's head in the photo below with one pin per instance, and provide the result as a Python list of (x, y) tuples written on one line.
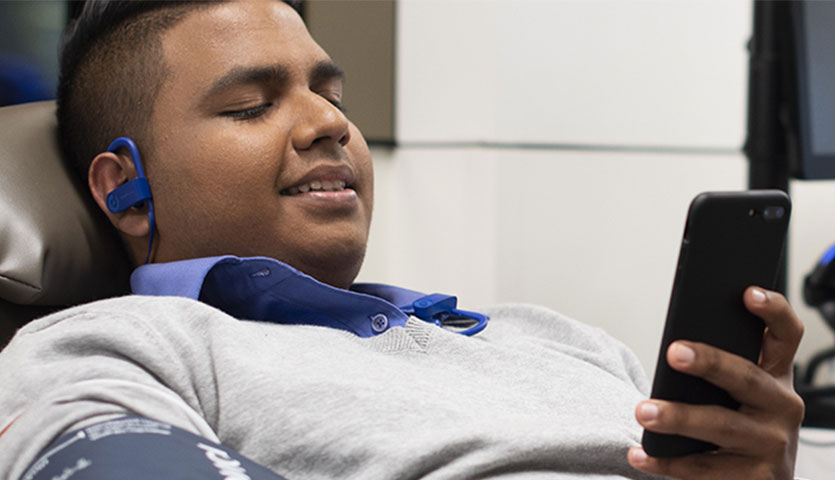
[(235, 110)]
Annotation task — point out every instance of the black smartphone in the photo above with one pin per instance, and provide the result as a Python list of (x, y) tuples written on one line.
[(732, 240)]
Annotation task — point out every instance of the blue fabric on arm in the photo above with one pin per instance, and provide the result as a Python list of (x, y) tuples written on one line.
[(136, 448)]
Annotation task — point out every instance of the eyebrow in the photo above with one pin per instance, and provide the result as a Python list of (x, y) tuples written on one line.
[(246, 75), (321, 72), (324, 71)]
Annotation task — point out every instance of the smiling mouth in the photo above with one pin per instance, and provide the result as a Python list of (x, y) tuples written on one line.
[(316, 186)]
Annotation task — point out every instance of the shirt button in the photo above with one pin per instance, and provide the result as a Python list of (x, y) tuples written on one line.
[(379, 323)]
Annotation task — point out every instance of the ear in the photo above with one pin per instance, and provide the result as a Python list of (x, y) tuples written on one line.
[(107, 171)]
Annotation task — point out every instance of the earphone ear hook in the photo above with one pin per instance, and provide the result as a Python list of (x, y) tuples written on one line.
[(135, 192)]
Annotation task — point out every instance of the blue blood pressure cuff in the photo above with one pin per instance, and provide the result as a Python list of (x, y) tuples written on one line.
[(135, 448)]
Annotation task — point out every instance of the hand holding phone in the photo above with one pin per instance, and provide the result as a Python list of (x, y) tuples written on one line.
[(758, 440), (732, 240)]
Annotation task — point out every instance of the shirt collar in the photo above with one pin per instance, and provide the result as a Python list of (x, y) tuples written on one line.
[(260, 288)]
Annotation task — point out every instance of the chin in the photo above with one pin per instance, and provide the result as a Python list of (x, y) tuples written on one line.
[(337, 276), (337, 267)]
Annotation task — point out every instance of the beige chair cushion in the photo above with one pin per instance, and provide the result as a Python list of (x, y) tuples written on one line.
[(55, 248)]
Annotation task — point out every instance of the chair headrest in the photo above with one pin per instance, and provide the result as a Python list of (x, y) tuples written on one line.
[(56, 248)]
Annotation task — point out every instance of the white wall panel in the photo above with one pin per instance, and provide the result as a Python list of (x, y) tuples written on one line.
[(610, 72), (446, 70), (434, 228)]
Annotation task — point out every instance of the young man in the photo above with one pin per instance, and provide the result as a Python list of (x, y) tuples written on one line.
[(235, 111)]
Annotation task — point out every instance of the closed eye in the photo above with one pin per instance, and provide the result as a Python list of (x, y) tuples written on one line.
[(337, 104), (247, 113)]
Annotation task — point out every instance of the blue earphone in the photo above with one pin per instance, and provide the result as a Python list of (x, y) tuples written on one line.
[(135, 192)]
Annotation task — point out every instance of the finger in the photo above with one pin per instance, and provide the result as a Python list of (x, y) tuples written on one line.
[(784, 328), (742, 379), (729, 429), (775, 311), (696, 467)]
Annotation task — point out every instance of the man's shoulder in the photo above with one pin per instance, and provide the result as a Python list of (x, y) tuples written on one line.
[(540, 322), (536, 327), (128, 306), (126, 315)]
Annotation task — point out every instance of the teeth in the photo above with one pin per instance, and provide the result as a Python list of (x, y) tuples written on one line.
[(317, 186)]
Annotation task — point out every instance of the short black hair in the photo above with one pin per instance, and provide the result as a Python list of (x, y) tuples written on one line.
[(111, 70)]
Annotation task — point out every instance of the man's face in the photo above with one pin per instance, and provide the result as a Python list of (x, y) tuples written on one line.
[(251, 154)]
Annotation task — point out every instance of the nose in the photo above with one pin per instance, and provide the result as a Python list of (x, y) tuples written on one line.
[(319, 121)]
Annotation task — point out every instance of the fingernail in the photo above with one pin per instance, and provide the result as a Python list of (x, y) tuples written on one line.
[(683, 354), (758, 295), (648, 411), (638, 455)]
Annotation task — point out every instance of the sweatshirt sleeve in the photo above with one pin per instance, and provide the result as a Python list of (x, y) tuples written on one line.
[(97, 362)]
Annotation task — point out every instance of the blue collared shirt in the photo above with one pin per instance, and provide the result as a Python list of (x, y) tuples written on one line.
[(264, 289)]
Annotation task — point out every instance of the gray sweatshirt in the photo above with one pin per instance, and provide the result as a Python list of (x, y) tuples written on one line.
[(536, 395)]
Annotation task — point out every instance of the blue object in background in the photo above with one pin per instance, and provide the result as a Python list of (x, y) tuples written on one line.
[(30, 35), (22, 82)]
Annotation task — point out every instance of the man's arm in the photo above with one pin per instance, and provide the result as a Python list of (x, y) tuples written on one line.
[(758, 441)]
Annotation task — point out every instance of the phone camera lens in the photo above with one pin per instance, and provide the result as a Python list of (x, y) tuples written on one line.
[(774, 213), (752, 212)]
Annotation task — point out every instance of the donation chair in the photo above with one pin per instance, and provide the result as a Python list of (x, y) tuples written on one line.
[(56, 248)]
